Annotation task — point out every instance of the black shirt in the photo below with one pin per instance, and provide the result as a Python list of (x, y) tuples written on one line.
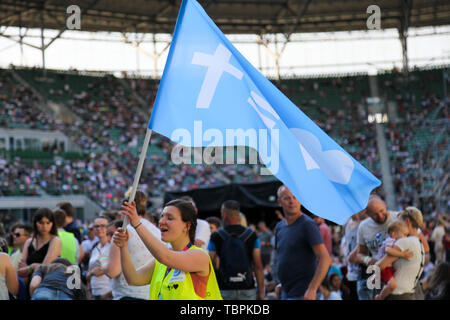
[(217, 241), (235, 230), (37, 256), (73, 227)]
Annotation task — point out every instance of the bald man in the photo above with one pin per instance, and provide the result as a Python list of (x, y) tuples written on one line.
[(303, 259), (371, 234)]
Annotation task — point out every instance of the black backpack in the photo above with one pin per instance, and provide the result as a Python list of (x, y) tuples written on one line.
[(235, 269)]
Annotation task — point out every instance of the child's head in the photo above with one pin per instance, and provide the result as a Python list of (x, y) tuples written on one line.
[(397, 229), (334, 281)]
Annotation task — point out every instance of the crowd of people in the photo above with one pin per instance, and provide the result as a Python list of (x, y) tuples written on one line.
[(38, 259), (178, 255), (111, 128), (417, 141)]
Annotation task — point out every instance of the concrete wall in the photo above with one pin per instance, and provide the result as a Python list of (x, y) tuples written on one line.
[(21, 205), (36, 134)]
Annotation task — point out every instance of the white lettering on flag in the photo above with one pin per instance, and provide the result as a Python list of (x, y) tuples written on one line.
[(217, 64), (309, 161), (264, 105), (335, 164)]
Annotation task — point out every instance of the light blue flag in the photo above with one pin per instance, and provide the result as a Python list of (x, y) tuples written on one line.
[(210, 95)]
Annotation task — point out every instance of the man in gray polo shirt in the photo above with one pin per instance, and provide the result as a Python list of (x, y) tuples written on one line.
[(371, 234)]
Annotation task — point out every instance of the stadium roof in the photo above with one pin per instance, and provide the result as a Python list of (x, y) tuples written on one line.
[(232, 16)]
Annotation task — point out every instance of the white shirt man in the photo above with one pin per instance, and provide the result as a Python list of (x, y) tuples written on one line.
[(437, 237), (87, 244), (371, 234)]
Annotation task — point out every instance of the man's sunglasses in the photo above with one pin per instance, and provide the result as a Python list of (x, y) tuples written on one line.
[(18, 234)]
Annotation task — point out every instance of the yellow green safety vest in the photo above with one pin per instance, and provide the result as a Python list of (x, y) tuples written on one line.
[(68, 245), (178, 285)]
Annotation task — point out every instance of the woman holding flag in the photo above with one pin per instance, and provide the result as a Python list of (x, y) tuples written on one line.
[(184, 272)]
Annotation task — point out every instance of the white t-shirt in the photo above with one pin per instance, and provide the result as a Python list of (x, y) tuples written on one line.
[(203, 232), (3, 288), (438, 235), (88, 244), (406, 272), (335, 295), (99, 285), (16, 257), (349, 244), (372, 234), (77, 249), (139, 255)]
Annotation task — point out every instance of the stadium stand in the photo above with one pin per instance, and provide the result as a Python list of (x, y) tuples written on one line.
[(112, 127)]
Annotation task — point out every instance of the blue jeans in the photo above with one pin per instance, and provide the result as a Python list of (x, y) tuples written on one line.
[(50, 294), (23, 292), (249, 294), (365, 293), (284, 296)]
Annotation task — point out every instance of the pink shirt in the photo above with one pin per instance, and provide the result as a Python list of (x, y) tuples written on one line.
[(325, 232)]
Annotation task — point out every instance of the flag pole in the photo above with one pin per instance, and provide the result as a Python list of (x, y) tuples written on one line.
[(137, 176)]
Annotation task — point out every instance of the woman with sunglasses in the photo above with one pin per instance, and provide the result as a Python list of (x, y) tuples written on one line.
[(98, 282), (43, 247), (184, 272)]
